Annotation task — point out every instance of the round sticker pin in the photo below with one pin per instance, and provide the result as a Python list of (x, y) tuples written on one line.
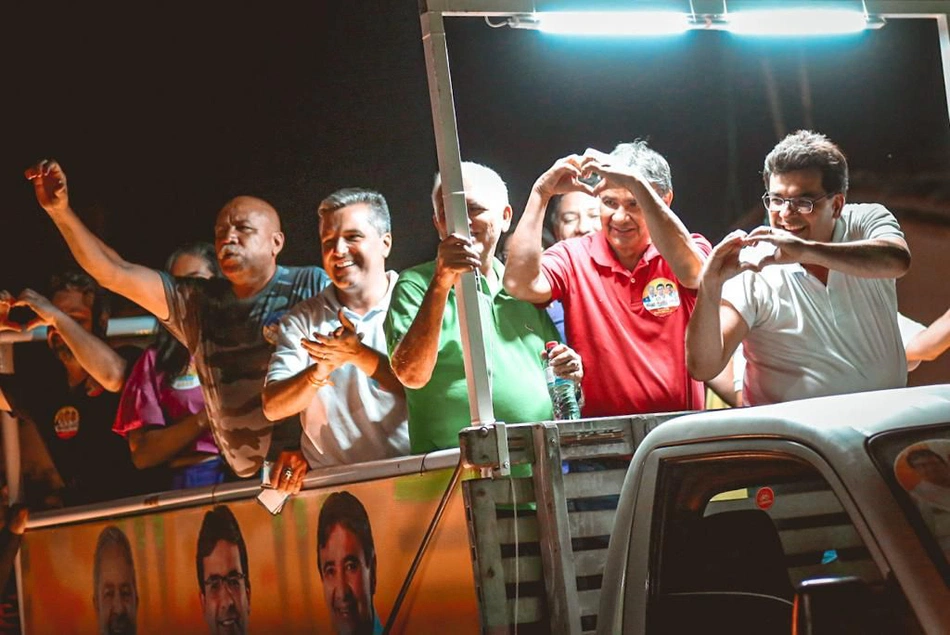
[(764, 498)]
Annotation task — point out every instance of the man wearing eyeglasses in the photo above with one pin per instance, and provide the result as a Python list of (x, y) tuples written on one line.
[(223, 582), (817, 310)]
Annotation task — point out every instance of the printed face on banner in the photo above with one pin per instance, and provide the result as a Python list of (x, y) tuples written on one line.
[(226, 597), (307, 576), (116, 601), (348, 582)]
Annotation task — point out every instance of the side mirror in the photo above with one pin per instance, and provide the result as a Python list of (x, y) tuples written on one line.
[(832, 606)]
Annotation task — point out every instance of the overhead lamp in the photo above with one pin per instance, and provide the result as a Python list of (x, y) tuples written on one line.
[(604, 23), (753, 21), (799, 22)]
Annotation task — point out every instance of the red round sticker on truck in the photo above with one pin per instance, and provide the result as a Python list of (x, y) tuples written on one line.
[(764, 497)]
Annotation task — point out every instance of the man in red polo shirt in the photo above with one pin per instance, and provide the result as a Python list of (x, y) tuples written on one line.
[(628, 290)]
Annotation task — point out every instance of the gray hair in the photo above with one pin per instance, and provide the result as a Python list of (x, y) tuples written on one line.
[(379, 216), (480, 177), (112, 536), (637, 154)]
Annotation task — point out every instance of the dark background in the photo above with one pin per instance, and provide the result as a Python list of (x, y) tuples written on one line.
[(161, 115)]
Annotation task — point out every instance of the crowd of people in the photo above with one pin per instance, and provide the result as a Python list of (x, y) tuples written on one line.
[(308, 367)]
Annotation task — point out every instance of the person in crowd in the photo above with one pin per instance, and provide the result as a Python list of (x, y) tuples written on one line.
[(346, 559), (817, 311), (115, 595), (570, 215), (422, 326), (604, 278), (228, 324), (162, 410), (330, 363), (573, 214), (72, 409), (223, 583)]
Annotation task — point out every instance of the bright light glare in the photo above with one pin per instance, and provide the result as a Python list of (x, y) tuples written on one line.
[(613, 23), (797, 22)]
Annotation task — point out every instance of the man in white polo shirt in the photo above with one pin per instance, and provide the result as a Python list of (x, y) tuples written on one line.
[(330, 363), (817, 313)]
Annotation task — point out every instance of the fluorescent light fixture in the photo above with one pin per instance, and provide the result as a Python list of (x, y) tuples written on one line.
[(766, 22), (604, 23), (799, 22)]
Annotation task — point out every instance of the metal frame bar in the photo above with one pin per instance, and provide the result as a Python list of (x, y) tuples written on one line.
[(324, 477), (456, 213), (938, 10)]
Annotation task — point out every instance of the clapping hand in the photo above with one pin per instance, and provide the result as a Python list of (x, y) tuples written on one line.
[(341, 346)]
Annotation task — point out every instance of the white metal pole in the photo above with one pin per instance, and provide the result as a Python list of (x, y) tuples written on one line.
[(453, 196), (456, 214)]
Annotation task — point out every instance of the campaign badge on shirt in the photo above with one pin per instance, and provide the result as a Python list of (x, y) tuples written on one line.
[(661, 297), (271, 328), (188, 379), (66, 422)]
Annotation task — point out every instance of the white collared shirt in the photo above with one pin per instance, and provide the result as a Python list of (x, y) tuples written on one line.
[(354, 419), (808, 339)]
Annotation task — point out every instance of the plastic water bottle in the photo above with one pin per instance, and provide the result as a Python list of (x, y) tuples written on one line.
[(563, 397)]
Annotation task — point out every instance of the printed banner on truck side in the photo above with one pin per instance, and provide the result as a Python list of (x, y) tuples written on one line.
[(332, 561)]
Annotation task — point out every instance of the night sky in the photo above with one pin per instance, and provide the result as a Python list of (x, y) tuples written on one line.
[(159, 118)]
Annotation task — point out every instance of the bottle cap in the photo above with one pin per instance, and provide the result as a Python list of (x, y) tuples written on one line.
[(549, 345)]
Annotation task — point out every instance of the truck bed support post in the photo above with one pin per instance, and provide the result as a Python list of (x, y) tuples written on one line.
[(554, 531)]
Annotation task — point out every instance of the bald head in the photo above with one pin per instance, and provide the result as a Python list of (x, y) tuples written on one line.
[(247, 239), (253, 204)]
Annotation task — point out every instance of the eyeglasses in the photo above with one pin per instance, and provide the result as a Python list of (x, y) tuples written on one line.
[(775, 203), (215, 583)]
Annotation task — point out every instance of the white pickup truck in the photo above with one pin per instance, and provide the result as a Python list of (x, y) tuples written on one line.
[(828, 515)]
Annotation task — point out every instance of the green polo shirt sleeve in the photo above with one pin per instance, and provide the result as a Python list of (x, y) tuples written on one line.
[(438, 410), (406, 299), (515, 333)]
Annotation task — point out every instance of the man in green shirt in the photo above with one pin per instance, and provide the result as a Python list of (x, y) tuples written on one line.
[(424, 339)]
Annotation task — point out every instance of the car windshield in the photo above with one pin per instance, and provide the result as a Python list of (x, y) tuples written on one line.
[(916, 464)]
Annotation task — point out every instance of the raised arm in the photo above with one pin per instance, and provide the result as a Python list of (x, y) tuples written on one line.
[(95, 356), (414, 357), (523, 277), (667, 231), (885, 257), (715, 328), (137, 283)]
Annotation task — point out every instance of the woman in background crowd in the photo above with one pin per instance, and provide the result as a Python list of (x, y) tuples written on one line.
[(162, 411)]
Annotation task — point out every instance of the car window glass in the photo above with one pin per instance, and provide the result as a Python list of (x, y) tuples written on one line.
[(737, 536)]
